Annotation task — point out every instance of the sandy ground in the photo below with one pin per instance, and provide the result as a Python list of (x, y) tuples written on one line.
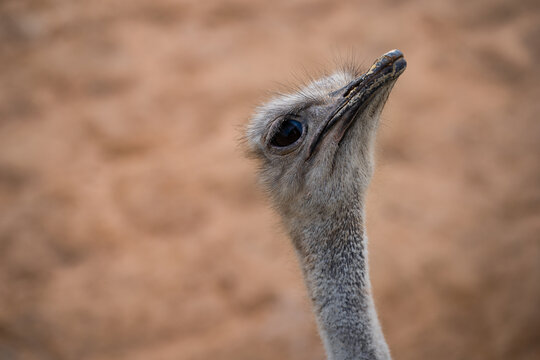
[(132, 227)]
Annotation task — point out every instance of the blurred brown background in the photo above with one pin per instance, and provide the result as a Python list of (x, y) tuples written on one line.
[(131, 226)]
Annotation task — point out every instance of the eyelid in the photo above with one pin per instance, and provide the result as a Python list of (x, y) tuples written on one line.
[(293, 116)]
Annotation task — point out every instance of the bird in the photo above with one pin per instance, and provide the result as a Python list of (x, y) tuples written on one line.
[(315, 154)]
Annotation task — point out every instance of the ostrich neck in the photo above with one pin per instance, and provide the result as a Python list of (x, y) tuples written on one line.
[(332, 249)]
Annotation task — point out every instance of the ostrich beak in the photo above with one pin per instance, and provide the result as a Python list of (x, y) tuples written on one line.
[(358, 93)]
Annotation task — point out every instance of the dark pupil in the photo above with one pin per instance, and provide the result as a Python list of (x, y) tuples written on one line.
[(289, 132)]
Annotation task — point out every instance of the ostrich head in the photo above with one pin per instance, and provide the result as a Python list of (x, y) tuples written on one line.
[(315, 149), (315, 146)]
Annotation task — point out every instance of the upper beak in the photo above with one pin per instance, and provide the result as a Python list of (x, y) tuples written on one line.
[(358, 93)]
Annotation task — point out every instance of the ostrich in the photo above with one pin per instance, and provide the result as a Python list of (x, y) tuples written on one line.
[(315, 151)]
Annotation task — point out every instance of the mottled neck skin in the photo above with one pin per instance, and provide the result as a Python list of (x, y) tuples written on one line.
[(332, 248)]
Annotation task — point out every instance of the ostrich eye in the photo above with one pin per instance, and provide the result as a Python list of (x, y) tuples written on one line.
[(289, 131)]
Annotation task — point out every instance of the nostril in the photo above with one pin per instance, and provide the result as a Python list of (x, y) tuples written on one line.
[(347, 88), (351, 86)]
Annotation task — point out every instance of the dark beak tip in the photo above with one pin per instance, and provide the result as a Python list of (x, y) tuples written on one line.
[(394, 54), (393, 57), (400, 65)]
